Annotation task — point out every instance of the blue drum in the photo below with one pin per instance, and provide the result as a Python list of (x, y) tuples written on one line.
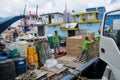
[(20, 65)]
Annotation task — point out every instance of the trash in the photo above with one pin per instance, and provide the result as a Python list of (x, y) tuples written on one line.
[(50, 63), (59, 65)]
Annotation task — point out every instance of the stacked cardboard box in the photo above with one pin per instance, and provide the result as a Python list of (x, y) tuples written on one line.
[(91, 35), (74, 45)]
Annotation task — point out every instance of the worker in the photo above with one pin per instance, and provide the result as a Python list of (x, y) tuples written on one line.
[(15, 35), (85, 49), (56, 41)]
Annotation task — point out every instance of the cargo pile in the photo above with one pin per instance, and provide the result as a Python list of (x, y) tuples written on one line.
[(75, 44)]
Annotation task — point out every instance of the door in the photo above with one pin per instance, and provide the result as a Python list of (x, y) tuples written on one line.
[(41, 30), (109, 41), (71, 33)]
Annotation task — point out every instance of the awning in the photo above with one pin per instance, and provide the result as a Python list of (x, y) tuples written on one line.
[(69, 26), (6, 22)]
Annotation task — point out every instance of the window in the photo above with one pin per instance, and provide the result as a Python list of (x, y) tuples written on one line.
[(107, 18), (59, 16), (112, 27), (46, 16), (52, 16), (77, 16)]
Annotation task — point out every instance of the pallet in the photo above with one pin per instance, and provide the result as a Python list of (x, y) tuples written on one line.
[(70, 61), (49, 73), (55, 69), (55, 73), (33, 75), (41, 75)]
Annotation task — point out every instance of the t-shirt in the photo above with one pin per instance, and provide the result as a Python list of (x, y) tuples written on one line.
[(56, 38), (86, 44)]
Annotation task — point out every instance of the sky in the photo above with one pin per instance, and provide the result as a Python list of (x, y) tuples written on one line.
[(16, 7)]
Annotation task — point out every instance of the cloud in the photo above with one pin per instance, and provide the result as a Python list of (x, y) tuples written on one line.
[(16, 7)]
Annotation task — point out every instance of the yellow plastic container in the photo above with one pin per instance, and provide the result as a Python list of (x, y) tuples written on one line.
[(34, 49), (30, 58), (35, 57), (30, 50)]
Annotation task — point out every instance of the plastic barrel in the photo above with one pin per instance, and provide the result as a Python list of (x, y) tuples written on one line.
[(20, 65), (21, 69), (7, 70), (35, 57), (2, 58), (20, 61), (30, 58)]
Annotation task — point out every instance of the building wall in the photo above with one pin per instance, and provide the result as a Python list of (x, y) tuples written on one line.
[(58, 18), (51, 30), (109, 19), (45, 19), (52, 18), (93, 27)]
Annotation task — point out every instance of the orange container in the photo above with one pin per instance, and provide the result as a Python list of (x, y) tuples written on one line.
[(30, 50), (35, 57), (30, 58), (34, 49)]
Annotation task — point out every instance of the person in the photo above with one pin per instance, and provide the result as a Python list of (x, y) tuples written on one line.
[(35, 35), (15, 35), (56, 41), (85, 49)]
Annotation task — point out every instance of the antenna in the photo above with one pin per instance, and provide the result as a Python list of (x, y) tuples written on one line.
[(37, 10), (65, 13), (24, 9)]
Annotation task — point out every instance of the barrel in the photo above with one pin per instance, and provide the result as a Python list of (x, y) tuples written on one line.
[(20, 61), (2, 58), (7, 70), (20, 65), (35, 57), (30, 58)]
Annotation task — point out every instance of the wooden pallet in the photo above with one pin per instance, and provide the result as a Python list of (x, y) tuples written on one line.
[(33, 75), (41, 75), (71, 62), (55, 73), (49, 73), (55, 69)]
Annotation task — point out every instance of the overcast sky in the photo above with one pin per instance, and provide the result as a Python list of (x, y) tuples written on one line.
[(16, 7)]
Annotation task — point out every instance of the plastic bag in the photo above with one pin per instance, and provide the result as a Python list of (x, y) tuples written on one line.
[(50, 63)]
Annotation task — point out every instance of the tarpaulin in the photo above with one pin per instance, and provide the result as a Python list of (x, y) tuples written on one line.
[(6, 22)]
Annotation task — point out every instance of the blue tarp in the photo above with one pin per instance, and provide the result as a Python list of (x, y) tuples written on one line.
[(6, 22)]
